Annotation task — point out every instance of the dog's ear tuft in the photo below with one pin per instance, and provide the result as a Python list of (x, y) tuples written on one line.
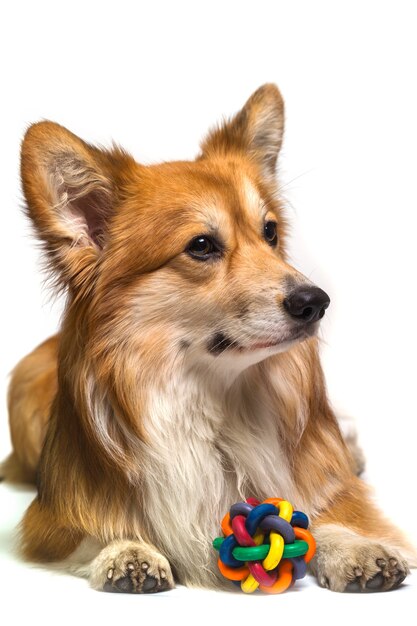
[(70, 191), (257, 130)]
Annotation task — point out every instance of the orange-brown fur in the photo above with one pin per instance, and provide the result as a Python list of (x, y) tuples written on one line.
[(90, 487), (33, 388)]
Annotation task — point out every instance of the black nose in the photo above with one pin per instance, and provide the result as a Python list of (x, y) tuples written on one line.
[(307, 304)]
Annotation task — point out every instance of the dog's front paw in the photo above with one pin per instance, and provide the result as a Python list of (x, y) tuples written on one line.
[(348, 562), (131, 567)]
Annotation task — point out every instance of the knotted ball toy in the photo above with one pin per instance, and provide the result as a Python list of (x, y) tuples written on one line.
[(265, 545)]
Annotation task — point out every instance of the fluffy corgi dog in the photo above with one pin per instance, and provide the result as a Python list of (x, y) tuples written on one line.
[(186, 375)]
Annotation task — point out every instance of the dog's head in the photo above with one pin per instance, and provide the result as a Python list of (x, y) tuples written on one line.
[(188, 256)]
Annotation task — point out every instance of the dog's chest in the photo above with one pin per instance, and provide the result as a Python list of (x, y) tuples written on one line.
[(206, 452)]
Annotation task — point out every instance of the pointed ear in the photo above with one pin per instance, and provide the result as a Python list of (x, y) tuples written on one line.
[(257, 130), (70, 189)]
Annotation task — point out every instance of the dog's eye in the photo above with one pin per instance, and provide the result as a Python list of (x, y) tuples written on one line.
[(270, 233), (202, 248)]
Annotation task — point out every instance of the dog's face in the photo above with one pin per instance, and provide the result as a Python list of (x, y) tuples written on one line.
[(189, 256)]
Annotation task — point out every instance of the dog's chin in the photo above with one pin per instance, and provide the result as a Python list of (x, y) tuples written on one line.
[(284, 343), (261, 348), (233, 357)]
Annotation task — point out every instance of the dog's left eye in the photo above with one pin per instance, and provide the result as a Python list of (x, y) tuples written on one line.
[(270, 233), (203, 248)]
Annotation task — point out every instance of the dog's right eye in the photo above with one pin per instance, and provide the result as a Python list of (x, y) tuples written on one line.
[(203, 248)]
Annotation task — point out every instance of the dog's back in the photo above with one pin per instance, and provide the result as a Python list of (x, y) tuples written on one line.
[(32, 389)]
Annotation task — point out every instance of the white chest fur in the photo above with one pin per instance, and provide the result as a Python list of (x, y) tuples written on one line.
[(208, 449)]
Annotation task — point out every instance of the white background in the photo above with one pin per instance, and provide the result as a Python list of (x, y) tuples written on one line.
[(154, 76)]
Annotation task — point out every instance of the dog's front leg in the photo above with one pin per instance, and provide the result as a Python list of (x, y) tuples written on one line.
[(357, 549), (123, 566)]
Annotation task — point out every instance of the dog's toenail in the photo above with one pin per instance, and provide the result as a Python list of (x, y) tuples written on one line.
[(399, 581), (110, 573), (145, 566), (376, 582), (381, 562), (393, 562), (163, 574), (149, 584), (124, 584), (130, 567), (358, 571), (353, 587)]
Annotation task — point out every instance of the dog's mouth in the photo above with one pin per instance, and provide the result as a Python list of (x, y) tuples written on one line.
[(221, 342)]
